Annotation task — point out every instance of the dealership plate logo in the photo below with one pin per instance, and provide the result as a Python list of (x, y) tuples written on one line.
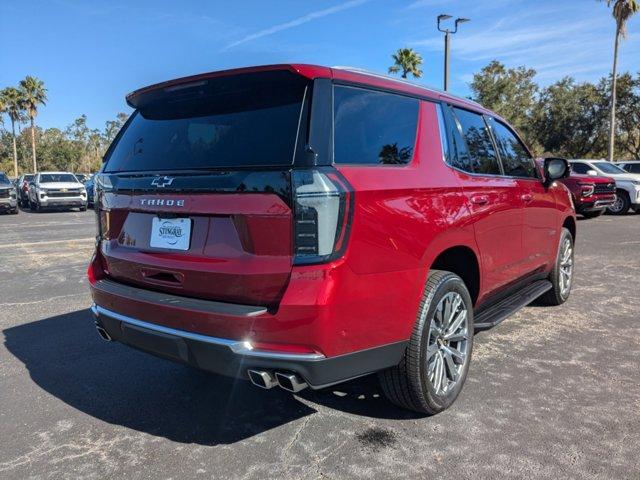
[(170, 233)]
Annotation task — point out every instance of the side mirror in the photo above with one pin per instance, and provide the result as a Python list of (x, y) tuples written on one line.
[(555, 168), (593, 173)]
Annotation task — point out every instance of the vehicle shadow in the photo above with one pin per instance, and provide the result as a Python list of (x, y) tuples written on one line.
[(119, 385)]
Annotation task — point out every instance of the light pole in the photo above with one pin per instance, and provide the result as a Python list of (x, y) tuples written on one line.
[(448, 32)]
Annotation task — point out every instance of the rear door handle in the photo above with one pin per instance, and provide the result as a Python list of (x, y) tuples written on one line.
[(526, 197), (479, 199)]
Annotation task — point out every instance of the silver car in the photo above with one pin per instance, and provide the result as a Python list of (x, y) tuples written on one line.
[(57, 190), (8, 196)]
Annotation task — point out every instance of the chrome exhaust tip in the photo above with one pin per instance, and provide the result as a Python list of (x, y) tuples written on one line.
[(290, 382), (103, 333), (262, 378)]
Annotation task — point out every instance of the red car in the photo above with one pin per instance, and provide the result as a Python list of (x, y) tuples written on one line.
[(591, 194), (301, 226)]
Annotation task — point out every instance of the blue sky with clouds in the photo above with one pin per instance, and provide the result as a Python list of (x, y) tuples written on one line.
[(91, 53)]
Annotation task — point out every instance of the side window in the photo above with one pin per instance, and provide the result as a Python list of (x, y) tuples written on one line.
[(580, 168), (457, 156), (634, 167), (483, 156), (373, 127), (516, 160)]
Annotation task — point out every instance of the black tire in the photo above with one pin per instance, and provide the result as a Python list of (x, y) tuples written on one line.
[(83, 208), (407, 385), (557, 296), (622, 207), (592, 214), (15, 211)]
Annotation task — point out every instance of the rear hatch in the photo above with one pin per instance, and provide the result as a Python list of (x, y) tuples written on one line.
[(195, 196)]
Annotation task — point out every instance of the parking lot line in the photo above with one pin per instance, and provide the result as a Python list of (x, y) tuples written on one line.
[(52, 242)]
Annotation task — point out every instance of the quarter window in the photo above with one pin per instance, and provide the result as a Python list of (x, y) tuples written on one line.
[(373, 127), (457, 155), (516, 161), (481, 151)]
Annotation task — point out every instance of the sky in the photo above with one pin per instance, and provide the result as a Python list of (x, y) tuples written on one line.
[(90, 54)]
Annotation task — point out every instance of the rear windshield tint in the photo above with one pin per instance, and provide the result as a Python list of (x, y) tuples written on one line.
[(57, 177), (236, 121)]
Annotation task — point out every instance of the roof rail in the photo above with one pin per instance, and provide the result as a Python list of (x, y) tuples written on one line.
[(403, 80)]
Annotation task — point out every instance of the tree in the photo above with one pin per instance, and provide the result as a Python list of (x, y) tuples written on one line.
[(623, 10), (34, 94), (628, 114), (510, 92), (13, 105), (408, 61), (569, 119), (112, 127)]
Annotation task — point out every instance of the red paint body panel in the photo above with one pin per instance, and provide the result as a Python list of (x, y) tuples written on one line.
[(404, 218), (240, 246)]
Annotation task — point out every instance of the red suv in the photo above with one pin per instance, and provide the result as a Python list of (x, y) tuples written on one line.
[(302, 226), (591, 194)]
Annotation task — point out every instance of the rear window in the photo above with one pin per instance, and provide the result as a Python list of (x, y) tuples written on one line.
[(483, 156), (234, 121), (373, 127), (57, 177)]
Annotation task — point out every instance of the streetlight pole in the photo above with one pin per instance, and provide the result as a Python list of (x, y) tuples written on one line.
[(447, 43)]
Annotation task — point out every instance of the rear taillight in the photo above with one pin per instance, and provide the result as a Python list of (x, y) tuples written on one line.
[(323, 208), (96, 270)]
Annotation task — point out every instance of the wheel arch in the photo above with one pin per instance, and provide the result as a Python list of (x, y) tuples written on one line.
[(463, 261), (570, 224)]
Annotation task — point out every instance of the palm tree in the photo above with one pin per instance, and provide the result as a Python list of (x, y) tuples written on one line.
[(623, 10), (13, 105), (34, 95), (407, 60)]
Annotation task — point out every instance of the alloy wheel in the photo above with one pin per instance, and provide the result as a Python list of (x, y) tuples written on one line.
[(448, 345), (566, 266), (616, 207)]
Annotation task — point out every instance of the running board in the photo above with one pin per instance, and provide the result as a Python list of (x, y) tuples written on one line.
[(495, 314)]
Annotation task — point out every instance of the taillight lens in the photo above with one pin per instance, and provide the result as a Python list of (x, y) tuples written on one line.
[(96, 270), (323, 208)]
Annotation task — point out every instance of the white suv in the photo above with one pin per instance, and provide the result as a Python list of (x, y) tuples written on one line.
[(57, 189), (631, 166), (627, 184)]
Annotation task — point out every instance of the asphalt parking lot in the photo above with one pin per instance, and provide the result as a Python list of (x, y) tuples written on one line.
[(552, 392)]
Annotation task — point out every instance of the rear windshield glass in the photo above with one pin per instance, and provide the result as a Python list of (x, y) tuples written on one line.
[(57, 177), (235, 121)]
